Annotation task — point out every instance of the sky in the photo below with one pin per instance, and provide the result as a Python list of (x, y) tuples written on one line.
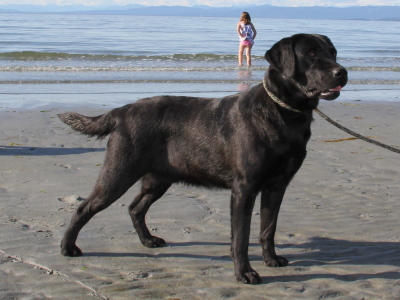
[(339, 3)]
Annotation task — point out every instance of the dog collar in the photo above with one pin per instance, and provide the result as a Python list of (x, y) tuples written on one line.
[(278, 101)]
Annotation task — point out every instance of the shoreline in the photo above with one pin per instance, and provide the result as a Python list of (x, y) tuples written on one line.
[(338, 224), (111, 95)]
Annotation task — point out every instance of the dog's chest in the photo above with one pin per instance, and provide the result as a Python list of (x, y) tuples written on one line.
[(281, 169), (283, 159)]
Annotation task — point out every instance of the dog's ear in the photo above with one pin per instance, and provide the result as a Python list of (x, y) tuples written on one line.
[(281, 57)]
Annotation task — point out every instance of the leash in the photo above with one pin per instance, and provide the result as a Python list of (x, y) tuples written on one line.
[(359, 136), (278, 101), (324, 116)]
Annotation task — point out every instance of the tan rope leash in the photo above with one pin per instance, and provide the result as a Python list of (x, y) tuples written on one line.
[(359, 136), (278, 101), (355, 134)]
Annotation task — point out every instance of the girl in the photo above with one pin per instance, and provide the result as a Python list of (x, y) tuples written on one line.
[(247, 34)]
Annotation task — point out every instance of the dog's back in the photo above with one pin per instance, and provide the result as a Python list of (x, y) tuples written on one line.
[(187, 139)]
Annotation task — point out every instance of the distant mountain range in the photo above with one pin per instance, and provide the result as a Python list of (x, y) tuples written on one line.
[(383, 13)]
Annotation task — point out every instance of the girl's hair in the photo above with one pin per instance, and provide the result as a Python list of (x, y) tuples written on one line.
[(245, 18)]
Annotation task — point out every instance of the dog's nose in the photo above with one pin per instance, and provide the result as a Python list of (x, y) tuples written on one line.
[(340, 72)]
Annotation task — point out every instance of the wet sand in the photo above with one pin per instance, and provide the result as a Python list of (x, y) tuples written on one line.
[(338, 226)]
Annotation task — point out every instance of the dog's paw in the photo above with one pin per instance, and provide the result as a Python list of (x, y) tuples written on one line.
[(154, 242), (278, 261), (72, 251), (251, 277)]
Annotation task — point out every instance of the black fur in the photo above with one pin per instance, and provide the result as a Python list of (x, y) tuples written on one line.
[(244, 142)]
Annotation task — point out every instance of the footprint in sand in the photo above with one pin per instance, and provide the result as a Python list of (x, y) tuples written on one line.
[(72, 199), (63, 166)]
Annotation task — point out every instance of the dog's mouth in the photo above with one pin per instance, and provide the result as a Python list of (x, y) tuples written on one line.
[(330, 94)]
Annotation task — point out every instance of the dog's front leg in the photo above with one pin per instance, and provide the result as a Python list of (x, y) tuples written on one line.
[(242, 203), (270, 205)]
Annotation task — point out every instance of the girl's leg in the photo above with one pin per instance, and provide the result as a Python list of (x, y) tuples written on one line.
[(248, 55), (240, 54)]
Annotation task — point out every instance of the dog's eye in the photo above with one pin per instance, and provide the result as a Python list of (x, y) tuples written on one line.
[(312, 54)]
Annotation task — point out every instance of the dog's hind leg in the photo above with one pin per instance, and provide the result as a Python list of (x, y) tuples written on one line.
[(270, 205), (152, 189), (116, 177)]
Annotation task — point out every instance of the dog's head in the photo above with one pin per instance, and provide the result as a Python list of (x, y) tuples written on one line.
[(309, 61)]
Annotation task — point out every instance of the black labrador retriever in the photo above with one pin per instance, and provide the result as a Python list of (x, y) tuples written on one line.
[(251, 142)]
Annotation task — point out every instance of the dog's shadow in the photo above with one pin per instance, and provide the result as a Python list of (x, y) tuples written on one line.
[(321, 251), (172, 253), (44, 151), (317, 252)]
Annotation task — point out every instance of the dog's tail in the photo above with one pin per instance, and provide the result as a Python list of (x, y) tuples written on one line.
[(99, 126)]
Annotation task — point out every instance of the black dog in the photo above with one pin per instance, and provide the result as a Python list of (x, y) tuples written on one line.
[(251, 142)]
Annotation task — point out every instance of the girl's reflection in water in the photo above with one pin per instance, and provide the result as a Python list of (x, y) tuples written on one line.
[(244, 76)]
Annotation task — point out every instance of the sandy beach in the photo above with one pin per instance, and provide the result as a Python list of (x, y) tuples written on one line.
[(338, 226)]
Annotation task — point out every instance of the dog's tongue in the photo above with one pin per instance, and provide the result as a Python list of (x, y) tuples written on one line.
[(336, 89)]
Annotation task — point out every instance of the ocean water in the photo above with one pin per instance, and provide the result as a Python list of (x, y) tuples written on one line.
[(50, 59)]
